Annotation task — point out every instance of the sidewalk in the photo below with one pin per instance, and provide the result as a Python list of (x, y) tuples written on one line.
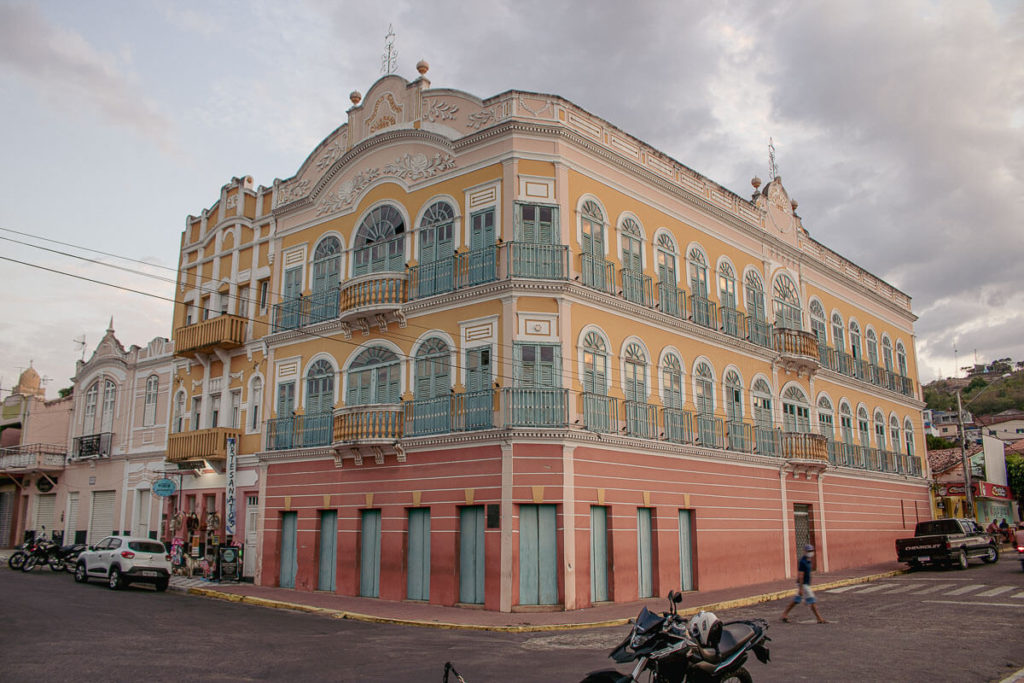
[(439, 616)]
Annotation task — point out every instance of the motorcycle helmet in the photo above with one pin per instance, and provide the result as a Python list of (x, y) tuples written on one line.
[(706, 629)]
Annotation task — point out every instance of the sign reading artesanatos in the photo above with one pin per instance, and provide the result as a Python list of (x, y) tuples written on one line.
[(164, 487)]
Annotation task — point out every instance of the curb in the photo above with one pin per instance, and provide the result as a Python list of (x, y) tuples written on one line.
[(371, 619)]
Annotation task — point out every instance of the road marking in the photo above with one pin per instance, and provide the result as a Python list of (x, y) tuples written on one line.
[(966, 589), (964, 602), (995, 591), (872, 589), (1018, 595), (843, 589), (936, 587), (904, 587)]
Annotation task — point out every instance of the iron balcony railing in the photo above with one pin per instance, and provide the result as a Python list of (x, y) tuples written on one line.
[(454, 413), (600, 413), (759, 332), (538, 261), (476, 267), (641, 419), (677, 425), (637, 287), (306, 310), (93, 446), (511, 260), (597, 273), (766, 440), (428, 279), (702, 311), (731, 322), (33, 456), (845, 364), (671, 300), (300, 431), (739, 436), (710, 431), (535, 407)]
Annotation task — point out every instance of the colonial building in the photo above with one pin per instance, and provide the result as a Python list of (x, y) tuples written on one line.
[(501, 352)]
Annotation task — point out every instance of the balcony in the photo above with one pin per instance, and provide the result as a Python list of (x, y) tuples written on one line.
[(538, 261), (36, 457), (210, 445), (378, 423), (845, 364), (759, 332), (535, 407), (710, 431), (731, 322), (804, 446), (600, 413), (306, 310), (739, 436), (798, 349), (300, 431), (374, 298), (637, 287), (597, 273), (226, 331), (445, 414), (93, 446), (702, 311), (677, 425), (671, 300), (641, 419)]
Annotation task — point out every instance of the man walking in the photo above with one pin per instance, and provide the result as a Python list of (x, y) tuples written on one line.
[(803, 590)]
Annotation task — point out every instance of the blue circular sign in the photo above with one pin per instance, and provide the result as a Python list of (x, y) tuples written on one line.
[(164, 487)]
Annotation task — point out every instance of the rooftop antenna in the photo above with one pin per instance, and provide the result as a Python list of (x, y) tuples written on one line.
[(389, 62), (80, 343), (773, 168)]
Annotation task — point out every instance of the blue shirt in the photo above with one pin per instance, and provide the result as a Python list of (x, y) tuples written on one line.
[(804, 570)]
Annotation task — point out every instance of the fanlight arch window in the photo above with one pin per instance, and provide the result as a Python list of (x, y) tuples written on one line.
[(762, 395), (818, 322), (726, 285), (872, 347), (595, 364), (796, 412), (436, 229), (632, 245), (787, 303), (255, 404), (901, 358), (380, 242), (879, 430), (592, 226), (326, 279), (178, 419), (826, 418), (636, 373), (863, 427), (855, 349), (433, 370), (149, 410), (107, 409), (755, 296), (838, 336), (894, 433), (733, 396), (320, 388), (698, 272), (705, 390), (374, 377), (887, 353), (672, 382), (908, 434), (667, 260), (846, 422), (91, 397)]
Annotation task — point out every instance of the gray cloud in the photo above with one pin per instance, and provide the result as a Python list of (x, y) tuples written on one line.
[(71, 73)]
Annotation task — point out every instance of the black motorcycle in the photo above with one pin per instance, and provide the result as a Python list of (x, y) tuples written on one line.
[(38, 554), (17, 558), (65, 557), (666, 648)]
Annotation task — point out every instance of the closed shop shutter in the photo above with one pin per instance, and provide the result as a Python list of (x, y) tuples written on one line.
[(45, 505), (71, 522), (101, 517), (6, 517)]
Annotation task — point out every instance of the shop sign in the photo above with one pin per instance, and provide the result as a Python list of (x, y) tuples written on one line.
[(994, 491), (982, 489), (229, 563), (44, 485), (229, 497), (164, 487)]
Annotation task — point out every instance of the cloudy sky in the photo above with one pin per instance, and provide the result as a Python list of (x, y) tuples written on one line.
[(899, 127)]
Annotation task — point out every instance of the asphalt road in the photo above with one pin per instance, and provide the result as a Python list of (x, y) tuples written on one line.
[(931, 625)]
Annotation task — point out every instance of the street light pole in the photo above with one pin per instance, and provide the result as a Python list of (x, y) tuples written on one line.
[(968, 494)]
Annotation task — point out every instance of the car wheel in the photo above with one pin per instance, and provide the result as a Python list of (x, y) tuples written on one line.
[(991, 555), (80, 574), (961, 559), (115, 580), (161, 585)]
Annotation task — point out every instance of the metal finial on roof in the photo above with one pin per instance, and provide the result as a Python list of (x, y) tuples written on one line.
[(389, 62), (773, 168)]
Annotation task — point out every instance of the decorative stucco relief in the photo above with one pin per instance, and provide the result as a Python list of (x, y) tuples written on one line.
[(483, 117), (289, 192), (407, 167), (438, 110), (331, 154)]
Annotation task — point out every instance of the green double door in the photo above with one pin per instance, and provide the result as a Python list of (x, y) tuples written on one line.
[(538, 555)]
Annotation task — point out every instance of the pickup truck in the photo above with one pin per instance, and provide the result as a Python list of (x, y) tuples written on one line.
[(947, 542)]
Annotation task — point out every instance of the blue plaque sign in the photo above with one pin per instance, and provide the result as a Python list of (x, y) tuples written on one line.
[(164, 487)]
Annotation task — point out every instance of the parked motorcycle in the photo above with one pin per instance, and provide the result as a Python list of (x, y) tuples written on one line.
[(65, 557), (672, 649), (17, 558), (39, 553)]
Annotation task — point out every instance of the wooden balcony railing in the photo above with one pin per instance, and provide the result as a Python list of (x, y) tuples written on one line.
[(202, 444), (382, 291), (225, 331), (804, 446), (796, 343), (381, 422)]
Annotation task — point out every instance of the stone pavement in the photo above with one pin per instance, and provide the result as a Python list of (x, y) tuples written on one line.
[(414, 613)]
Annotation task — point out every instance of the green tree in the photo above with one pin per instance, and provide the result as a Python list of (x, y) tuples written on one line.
[(937, 443), (1015, 477)]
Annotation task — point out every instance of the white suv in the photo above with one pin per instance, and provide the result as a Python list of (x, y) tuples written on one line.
[(121, 560)]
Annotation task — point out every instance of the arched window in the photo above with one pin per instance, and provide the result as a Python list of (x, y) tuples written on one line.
[(709, 431), (826, 419), (632, 245), (855, 350), (435, 271), (107, 416), (432, 391), (255, 404), (326, 279), (908, 435), (727, 299), (838, 336), (698, 273), (787, 303), (373, 378), (894, 433), (595, 364), (733, 396), (149, 407), (879, 430), (887, 353), (872, 347), (901, 358), (846, 423), (757, 325), (317, 423), (796, 413), (91, 397), (670, 297), (764, 430), (672, 382), (380, 242), (592, 242), (636, 372), (863, 427), (818, 323), (178, 420)]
